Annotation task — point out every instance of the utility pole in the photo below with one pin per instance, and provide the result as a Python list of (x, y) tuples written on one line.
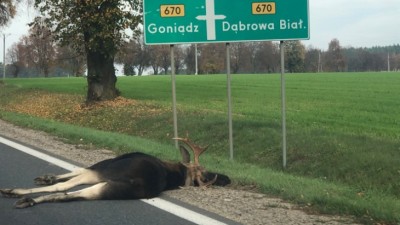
[(319, 62), (388, 62)]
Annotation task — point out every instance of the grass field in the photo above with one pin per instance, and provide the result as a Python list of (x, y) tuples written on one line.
[(343, 129)]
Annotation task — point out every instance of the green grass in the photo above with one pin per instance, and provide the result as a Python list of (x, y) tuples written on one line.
[(343, 131), (341, 127)]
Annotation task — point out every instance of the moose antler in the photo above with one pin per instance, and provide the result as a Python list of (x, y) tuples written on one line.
[(197, 150), (195, 171)]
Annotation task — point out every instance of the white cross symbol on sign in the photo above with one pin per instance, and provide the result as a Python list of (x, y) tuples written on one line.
[(210, 18)]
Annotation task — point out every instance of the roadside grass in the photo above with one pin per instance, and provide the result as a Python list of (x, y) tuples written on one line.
[(343, 130)]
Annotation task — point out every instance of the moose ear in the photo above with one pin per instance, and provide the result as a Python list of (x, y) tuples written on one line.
[(185, 154)]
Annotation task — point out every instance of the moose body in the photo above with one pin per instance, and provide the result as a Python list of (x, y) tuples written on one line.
[(130, 176)]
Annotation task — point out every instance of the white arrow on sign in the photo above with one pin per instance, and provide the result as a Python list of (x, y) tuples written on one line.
[(210, 18)]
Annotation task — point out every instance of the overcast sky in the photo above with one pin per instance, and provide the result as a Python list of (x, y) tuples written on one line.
[(357, 23)]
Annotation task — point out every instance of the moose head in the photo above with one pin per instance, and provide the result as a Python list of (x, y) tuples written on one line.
[(196, 174)]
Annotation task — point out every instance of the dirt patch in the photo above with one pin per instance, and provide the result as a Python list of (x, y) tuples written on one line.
[(50, 105), (45, 105), (70, 108), (118, 102)]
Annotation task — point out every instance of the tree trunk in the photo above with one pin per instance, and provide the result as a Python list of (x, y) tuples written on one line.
[(101, 77)]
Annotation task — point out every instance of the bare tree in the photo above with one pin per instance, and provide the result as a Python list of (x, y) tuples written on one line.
[(212, 58), (16, 59), (42, 47), (160, 58), (312, 59), (266, 57), (189, 59), (70, 60), (334, 59), (134, 54)]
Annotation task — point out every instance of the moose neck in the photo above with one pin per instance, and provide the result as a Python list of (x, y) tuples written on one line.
[(176, 175)]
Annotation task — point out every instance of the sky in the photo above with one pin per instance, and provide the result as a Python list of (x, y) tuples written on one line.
[(357, 23)]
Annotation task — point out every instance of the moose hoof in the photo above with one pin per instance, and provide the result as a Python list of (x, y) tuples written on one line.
[(24, 203), (45, 180), (8, 193)]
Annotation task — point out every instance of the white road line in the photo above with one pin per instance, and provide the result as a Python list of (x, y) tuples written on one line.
[(162, 204), (40, 155), (182, 212)]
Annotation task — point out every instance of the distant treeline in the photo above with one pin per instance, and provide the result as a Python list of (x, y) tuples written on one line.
[(39, 56)]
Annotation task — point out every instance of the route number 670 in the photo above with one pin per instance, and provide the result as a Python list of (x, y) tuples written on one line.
[(172, 10), (263, 8)]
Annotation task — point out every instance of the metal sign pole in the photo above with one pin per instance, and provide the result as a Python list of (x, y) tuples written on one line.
[(175, 117), (283, 96), (228, 74), (196, 60), (4, 56)]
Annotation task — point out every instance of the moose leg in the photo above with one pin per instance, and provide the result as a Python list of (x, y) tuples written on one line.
[(49, 179), (91, 193), (87, 177)]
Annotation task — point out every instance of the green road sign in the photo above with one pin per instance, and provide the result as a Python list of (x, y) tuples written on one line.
[(202, 21)]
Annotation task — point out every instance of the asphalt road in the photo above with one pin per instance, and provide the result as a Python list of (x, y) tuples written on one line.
[(18, 169)]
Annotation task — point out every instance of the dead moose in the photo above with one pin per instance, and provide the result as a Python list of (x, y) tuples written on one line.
[(130, 176)]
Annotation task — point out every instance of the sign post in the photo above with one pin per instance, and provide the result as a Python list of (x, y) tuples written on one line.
[(283, 104), (4, 56), (228, 87), (174, 113)]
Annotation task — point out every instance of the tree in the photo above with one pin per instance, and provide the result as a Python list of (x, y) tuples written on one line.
[(312, 59), (335, 61), (154, 61), (134, 54), (212, 58), (353, 59), (129, 70), (165, 58), (42, 48), (126, 57), (70, 61), (35, 54), (252, 48), (160, 58), (179, 58), (238, 54), (190, 59), (7, 11), (395, 62), (266, 57), (22, 57), (15, 57), (97, 26), (295, 55)]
